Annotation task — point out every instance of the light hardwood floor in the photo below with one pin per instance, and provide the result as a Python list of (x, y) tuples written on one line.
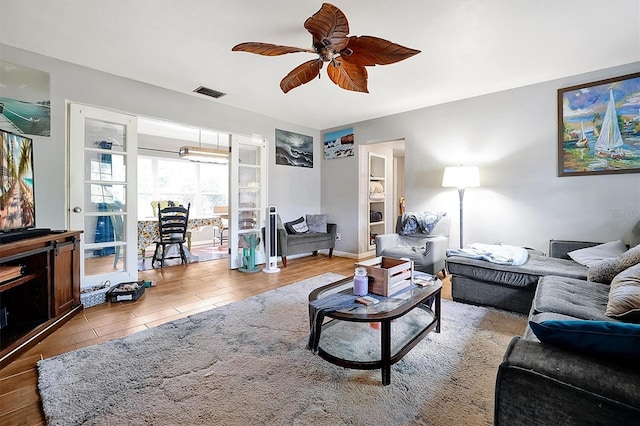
[(181, 291)]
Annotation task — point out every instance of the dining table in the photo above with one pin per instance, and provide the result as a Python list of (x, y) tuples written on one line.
[(148, 228)]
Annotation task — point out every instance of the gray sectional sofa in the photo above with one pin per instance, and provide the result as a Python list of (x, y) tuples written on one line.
[(578, 361), (556, 384)]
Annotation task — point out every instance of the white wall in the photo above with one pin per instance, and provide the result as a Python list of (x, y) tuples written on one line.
[(294, 190), (512, 137)]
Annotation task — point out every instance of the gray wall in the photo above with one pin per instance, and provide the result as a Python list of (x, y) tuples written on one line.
[(84, 85), (512, 137)]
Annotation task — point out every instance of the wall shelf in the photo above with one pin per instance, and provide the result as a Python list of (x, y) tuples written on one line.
[(376, 222)]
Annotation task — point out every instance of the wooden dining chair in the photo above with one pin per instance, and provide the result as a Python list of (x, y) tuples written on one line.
[(161, 204), (172, 230), (223, 212)]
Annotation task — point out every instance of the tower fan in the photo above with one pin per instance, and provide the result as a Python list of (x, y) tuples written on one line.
[(271, 241)]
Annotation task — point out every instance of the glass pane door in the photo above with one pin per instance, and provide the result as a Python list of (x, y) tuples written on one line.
[(247, 202), (100, 202)]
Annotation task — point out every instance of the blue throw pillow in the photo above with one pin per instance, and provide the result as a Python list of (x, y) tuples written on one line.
[(601, 338)]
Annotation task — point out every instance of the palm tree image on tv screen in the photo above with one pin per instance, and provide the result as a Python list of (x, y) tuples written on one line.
[(17, 209)]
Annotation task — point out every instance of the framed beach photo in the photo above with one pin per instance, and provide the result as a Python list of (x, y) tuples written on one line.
[(25, 100), (339, 144), (599, 127)]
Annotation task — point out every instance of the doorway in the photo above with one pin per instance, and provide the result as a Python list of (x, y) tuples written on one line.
[(229, 194), (165, 177), (382, 189)]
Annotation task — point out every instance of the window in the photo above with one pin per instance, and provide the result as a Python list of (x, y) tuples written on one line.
[(203, 185)]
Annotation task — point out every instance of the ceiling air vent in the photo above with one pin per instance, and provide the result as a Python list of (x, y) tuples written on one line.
[(209, 92)]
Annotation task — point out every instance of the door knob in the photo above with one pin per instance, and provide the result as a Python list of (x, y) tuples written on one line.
[(77, 209)]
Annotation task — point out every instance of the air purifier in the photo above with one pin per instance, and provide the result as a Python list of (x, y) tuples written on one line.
[(271, 240)]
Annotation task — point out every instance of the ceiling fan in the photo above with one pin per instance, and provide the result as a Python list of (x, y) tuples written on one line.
[(347, 55)]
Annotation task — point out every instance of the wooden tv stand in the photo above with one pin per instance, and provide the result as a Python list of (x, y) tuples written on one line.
[(39, 289)]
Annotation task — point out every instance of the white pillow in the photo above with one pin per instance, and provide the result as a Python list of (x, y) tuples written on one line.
[(589, 256)]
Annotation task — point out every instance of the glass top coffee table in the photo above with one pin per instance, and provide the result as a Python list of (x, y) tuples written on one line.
[(377, 336)]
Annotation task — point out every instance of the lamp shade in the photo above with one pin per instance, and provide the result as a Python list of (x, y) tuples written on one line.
[(204, 155), (460, 177)]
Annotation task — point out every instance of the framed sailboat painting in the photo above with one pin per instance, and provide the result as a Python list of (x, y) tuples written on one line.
[(599, 127)]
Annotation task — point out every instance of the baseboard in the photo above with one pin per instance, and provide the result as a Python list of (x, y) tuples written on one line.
[(354, 255)]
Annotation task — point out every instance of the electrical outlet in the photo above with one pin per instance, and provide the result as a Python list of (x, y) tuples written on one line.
[(338, 236)]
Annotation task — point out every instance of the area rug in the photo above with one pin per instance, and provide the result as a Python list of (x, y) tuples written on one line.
[(247, 364)]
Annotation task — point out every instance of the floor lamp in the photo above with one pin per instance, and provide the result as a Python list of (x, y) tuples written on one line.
[(460, 177)]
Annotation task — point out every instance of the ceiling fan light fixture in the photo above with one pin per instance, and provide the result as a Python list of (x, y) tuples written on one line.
[(347, 55), (204, 155)]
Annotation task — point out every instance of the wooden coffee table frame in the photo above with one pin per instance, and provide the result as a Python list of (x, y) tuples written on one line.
[(420, 296)]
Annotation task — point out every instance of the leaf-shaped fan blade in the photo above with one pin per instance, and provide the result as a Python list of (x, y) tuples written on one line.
[(268, 49), (301, 74), (329, 27), (369, 51), (348, 76)]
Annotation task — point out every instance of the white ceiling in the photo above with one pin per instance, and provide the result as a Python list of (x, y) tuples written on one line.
[(469, 47)]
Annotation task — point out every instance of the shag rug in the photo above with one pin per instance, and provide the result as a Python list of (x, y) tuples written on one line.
[(247, 364)]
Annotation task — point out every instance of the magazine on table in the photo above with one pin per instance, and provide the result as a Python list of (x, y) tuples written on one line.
[(423, 279)]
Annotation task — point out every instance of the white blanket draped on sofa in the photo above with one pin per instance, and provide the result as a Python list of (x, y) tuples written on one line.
[(496, 253)]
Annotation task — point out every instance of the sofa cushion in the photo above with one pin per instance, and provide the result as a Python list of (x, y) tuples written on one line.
[(624, 295), (317, 222), (298, 226), (310, 238), (545, 385), (589, 256), (515, 276), (576, 298), (606, 270), (610, 339)]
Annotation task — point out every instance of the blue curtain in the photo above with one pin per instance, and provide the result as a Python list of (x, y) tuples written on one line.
[(104, 232), (104, 226)]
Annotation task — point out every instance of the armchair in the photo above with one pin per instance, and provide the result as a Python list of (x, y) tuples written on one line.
[(427, 251)]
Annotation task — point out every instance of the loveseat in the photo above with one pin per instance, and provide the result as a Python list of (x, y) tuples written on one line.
[(578, 361), (308, 234)]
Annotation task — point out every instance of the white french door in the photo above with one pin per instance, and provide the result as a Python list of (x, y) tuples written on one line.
[(247, 199), (102, 193)]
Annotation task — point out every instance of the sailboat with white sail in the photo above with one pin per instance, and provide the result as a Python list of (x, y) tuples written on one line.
[(610, 140), (582, 142)]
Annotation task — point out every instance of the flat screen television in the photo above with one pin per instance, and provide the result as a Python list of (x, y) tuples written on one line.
[(17, 204)]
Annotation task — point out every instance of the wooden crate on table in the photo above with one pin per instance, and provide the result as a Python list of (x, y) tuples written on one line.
[(388, 275)]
